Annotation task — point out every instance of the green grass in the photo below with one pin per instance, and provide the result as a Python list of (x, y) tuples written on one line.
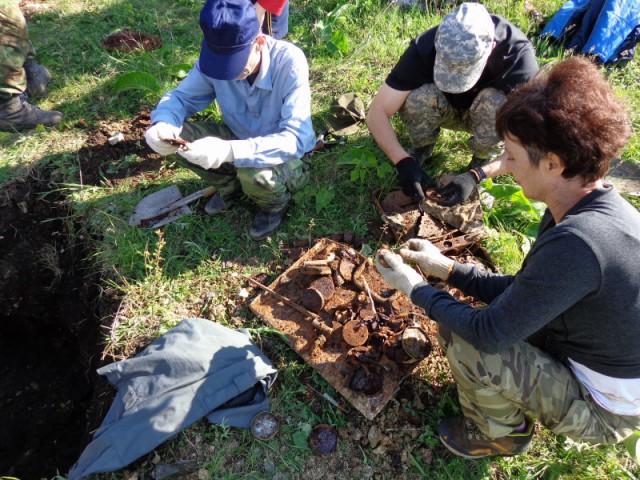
[(191, 267)]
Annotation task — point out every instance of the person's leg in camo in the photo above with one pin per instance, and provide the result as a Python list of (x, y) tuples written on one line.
[(501, 393), (480, 120), (269, 188), (424, 112), (16, 113)]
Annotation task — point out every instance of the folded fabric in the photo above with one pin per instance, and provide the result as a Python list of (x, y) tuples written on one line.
[(199, 368), (606, 28)]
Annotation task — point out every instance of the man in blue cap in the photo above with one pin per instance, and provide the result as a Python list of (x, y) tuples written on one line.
[(262, 88)]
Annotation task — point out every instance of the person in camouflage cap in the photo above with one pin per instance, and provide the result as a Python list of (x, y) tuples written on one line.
[(20, 74), (557, 341), (455, 75)]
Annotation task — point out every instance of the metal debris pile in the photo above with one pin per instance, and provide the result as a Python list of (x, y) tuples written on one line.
[(338, 313), (341, 317)]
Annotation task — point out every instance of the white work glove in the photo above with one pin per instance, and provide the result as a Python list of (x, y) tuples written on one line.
[(398, 275), (208, 152), (157, 133), (427, 256)]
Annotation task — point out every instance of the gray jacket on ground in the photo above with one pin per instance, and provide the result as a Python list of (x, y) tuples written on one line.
[(198, 368)]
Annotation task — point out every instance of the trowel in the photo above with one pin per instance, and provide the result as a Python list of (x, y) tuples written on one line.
[(165, 206)]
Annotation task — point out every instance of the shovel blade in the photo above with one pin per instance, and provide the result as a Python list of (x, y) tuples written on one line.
[(172, 216), (151, 205)]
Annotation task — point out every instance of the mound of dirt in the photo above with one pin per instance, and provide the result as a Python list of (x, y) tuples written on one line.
[(128, 41)]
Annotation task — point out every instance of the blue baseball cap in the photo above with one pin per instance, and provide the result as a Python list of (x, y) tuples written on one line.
[(229, 28)]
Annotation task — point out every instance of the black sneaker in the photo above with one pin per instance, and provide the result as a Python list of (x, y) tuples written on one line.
[(266, 222), (463, 437), (18, 114), (421, 154), (219, 203)]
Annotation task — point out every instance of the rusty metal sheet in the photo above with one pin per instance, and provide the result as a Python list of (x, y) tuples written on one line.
[(330, 359)]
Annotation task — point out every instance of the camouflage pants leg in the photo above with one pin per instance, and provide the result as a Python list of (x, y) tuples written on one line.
[(481, 118), (424, 112), (497, 390), (269, 187), (14, 49)]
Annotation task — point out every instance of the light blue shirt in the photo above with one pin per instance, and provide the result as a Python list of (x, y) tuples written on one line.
[(272, 117)]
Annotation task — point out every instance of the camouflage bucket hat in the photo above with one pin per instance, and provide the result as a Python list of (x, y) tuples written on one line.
[(346, 112), (464, 41)]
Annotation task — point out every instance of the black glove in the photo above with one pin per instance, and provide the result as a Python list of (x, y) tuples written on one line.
[(411, 178), (460, 188)]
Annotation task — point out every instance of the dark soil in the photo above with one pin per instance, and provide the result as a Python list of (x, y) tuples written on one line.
[(130, 159), (51, 399), (48, 336)]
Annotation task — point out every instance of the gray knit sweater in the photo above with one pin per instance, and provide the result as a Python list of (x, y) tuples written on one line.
[(577, 294)]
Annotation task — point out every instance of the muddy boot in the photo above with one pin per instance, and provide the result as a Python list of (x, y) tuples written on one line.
[(38, 77), (266, 222), (18, 114)]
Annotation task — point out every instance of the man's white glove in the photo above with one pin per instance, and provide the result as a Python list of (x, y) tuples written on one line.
[(428, 257), (398, 274), (157, 133), (208, 152)]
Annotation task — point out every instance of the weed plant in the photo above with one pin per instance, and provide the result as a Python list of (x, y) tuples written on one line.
[(192, 267)]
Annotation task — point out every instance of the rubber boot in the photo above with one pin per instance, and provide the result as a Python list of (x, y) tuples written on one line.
[(18, 114), (266, 222), (220, 203), (38, 77)]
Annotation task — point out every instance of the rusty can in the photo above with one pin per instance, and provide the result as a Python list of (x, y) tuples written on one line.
[(317, 294)]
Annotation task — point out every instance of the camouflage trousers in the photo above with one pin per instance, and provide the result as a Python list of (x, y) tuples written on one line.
[(15, 48), (269, 187), (426, 110), (498, 390)]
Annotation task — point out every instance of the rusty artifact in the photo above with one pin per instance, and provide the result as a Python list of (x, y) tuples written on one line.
[(181, 143), (323, 439), (416, 343), (318, 293), (349, 331), (264, 426)]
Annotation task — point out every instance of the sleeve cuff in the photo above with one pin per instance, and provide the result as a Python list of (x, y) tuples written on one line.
[(241, 149), (419, 292)]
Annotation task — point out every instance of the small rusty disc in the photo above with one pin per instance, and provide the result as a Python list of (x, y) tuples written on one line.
[(264, 426), (416, 343), (354, 333), (323, 439)]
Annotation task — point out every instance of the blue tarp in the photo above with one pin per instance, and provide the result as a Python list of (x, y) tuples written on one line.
[(609, 29)]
